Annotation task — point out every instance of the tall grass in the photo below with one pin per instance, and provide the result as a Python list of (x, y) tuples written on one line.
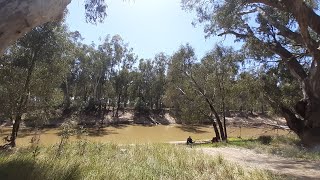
[(83, 160)]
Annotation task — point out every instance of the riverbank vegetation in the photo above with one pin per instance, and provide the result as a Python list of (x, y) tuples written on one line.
[(288, 146), (85, 160)]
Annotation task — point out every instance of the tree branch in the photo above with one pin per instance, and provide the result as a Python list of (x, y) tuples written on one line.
[(302, 12), (238, 35), (284, 31), (291, 61)]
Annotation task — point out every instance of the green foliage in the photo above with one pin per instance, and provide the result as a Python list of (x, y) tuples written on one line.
[(95, 10), (32, 69), (191, 83)]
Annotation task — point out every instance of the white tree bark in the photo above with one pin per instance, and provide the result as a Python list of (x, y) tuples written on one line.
[(17, 17)]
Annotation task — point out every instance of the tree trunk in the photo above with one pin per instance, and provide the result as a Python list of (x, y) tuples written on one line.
[(215, 128), (262, 109), (223, 110), (100, 109), (218, 120), (66, 96), (307, 126), (104, 109), (308, 129), (223, 136), (22, 102), (19, 17), (15, 129), (118, 105), (305, 119), (224, 120)]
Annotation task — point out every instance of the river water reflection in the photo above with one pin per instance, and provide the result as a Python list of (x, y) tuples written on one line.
[(130, 134)]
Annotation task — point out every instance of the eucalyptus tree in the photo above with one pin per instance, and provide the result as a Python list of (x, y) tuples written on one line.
[(219, 69), (99, 74), (79, 78), (158, 86), (202, 87), (134, 89), (178, 89), (118, 62), (187, 91), (148, 84), (87, 76), (71, 59), (146, 81), (286, 32), (33, 69)]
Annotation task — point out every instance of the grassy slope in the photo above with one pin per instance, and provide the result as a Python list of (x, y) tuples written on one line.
[(84, 160)]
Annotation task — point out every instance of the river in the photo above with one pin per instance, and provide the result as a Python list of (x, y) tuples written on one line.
[(132, 134)]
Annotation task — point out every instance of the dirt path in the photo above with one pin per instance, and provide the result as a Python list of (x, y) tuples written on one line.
[(300, 169)]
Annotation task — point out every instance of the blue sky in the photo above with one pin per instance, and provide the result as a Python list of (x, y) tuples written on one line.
[(149, 26)]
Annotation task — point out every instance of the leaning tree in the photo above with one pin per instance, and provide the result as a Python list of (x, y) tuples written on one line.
[(284, 31), (20, 16)]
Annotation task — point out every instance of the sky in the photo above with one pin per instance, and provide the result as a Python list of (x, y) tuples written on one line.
[(148, 26)]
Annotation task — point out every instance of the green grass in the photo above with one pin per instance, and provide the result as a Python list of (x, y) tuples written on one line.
[(84, 160), (284, 146)]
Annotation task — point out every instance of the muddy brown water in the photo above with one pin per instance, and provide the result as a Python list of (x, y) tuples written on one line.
[(132, 134)]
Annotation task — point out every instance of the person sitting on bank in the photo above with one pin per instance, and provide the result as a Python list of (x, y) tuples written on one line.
[(189, 140)]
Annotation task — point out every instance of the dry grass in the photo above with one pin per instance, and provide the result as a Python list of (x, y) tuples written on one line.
[(84, 160)]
